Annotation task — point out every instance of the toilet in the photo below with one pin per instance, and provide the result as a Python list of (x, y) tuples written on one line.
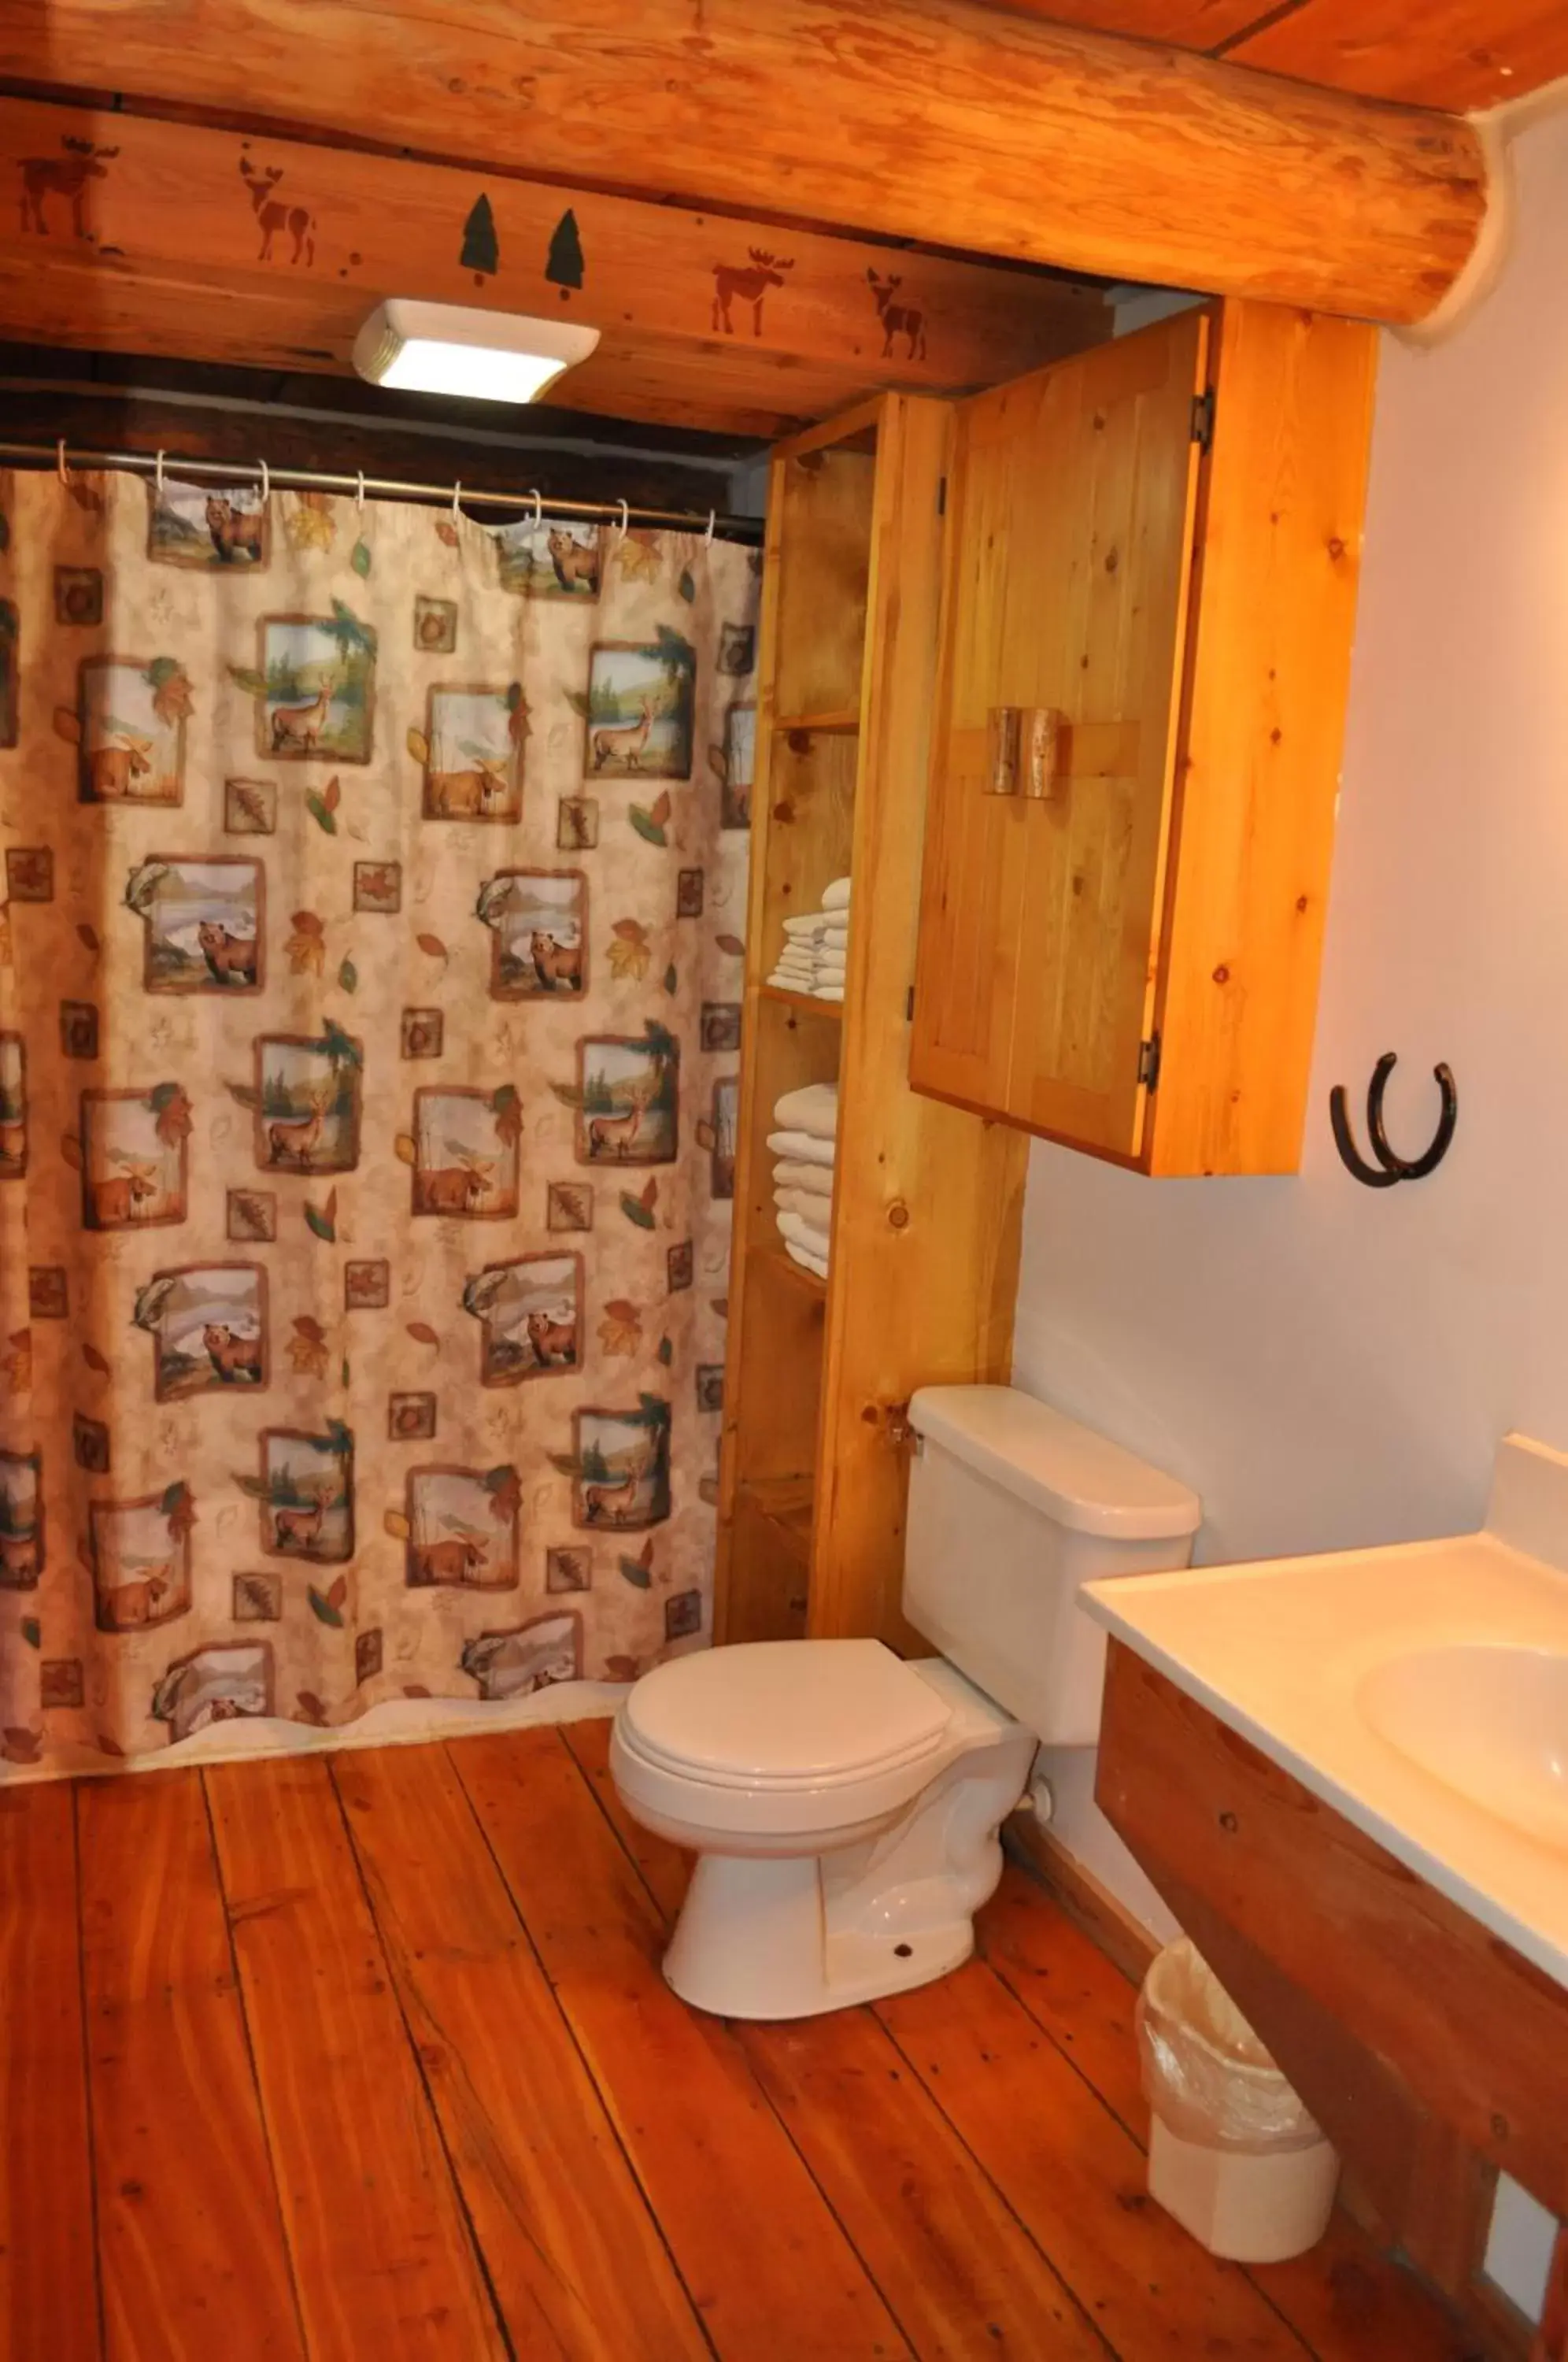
[(845, 1804)]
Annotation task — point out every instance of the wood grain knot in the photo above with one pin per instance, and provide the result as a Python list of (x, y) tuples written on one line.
[(1230, 1824), (899, 1215)]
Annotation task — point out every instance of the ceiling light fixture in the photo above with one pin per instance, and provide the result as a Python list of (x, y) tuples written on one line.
[(483, 356)]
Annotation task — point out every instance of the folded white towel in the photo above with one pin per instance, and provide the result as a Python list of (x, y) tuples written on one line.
[(817, 1263), (832, 939), (805, 977), (792, 1173), (801, 1147), (832, 969), (836, 896), (807, 924), (807, 967), (812, 1109), (810, 1236), (811, 1210), (827, 992)]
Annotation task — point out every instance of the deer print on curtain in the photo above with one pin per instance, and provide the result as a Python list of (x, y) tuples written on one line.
[(373, 883)]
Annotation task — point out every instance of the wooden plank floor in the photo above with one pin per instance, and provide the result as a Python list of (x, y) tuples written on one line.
[(368, 2057)]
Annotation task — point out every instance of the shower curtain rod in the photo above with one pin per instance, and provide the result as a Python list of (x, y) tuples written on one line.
[(235, 471)]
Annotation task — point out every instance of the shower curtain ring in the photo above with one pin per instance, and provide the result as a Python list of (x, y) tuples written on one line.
[(624, 524), (538, 509), (359, 495), (266, 483), (713, 521), (61, 469), (158, 477), (457, 497)]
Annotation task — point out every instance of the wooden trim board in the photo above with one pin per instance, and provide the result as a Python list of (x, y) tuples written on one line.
[(206, 244)]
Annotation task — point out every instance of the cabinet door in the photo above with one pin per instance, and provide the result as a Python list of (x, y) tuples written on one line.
[(1070, 534)]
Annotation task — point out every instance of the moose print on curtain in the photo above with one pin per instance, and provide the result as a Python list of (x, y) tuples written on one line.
[(369, 971)]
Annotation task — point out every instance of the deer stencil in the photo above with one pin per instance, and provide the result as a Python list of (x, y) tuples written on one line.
[(898, 319), (275, 213)]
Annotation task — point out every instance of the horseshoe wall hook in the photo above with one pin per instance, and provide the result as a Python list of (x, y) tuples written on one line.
[(1390, 1166)]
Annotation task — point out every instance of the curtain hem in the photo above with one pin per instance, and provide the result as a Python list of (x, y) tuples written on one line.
[(395, 1722)]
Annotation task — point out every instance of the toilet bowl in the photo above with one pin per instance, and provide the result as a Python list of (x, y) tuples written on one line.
[(844, 1802), (843, 1807)]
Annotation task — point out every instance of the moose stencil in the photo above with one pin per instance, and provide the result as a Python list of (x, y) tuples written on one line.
[(750, 281), (65, 176)]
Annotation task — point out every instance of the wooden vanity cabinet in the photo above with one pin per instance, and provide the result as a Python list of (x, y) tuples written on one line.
[(1148, 603)]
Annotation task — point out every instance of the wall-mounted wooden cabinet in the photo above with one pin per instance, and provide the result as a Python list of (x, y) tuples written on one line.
[(1150, 565)]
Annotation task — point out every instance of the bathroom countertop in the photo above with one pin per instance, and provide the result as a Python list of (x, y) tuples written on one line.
[(1280, 1650)]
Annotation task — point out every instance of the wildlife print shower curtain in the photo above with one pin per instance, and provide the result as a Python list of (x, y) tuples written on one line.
[(369, 972)]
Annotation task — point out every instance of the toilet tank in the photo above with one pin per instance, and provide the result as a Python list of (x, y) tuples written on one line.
[(1012, 1510)]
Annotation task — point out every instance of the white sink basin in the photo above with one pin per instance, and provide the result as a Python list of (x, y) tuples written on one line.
[(1488, 1720)]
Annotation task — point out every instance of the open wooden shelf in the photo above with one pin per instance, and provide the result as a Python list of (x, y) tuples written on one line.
[(786, 1502), (926, 1199), (807, 1002), (840, 719), (772, 1251), (771, 1518)]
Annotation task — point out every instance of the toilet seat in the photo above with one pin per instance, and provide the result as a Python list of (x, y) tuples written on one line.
[(779, 1740), (785, 1716)]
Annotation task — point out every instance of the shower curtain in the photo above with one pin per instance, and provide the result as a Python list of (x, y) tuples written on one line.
[(369, 981)]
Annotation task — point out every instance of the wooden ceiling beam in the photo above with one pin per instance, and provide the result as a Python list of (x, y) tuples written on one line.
[(134, 234), (1457, 54), (1187, 24), (935, 119)]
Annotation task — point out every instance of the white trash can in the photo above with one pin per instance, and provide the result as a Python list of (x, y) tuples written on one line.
[(1233, 2154)]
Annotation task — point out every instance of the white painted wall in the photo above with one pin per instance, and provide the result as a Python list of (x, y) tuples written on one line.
[(1324, 1363)]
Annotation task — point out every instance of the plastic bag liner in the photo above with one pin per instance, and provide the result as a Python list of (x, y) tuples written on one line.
[(1206, 2074)]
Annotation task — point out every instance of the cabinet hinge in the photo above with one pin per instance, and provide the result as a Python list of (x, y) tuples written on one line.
[(1203, 419), (1149, 1063), (909, 1007), (941, 496)]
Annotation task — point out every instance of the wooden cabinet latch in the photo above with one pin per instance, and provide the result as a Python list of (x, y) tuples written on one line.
[(1023, 751)]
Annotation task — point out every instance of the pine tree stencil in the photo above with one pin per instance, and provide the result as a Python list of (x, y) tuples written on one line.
[(564, 265), (482, 248)]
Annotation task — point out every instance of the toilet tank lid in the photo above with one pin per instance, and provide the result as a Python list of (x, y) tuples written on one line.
[(1072, 1476)]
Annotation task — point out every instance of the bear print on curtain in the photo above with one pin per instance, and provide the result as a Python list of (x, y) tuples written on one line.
[(370, 982)]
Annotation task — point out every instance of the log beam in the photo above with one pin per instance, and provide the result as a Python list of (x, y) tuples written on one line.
[(177, 238), (933, 119)]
